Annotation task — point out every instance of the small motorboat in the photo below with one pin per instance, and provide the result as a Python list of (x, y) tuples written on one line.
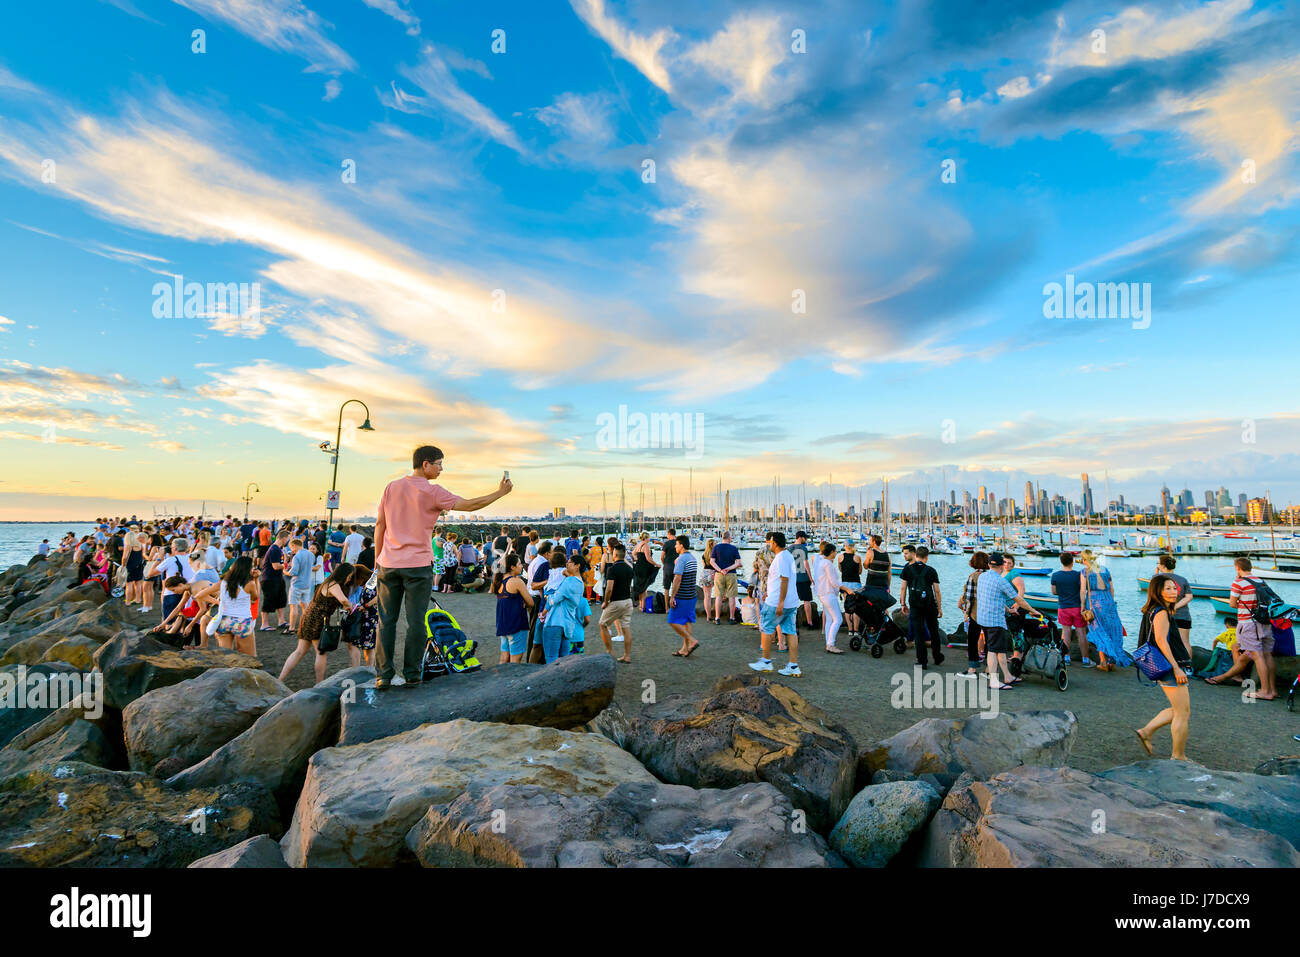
[(1042, 602), (1198, 590), (1282, 573)]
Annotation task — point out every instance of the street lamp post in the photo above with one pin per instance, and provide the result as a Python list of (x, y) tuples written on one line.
[(338, 440), (248, 496)]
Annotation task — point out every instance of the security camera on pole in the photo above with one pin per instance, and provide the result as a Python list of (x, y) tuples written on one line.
[(332, 496)]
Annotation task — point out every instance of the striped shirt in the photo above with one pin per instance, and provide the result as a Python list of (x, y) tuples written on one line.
[(990, 612), (1243, 589), (688, 566)]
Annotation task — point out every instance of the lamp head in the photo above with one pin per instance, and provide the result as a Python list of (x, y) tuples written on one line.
[(366, 426)]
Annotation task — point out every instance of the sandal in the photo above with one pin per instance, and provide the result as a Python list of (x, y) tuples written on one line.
[(1145, 743)]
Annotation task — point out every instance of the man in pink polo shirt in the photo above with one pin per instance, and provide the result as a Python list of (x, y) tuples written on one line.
[(408, 510)]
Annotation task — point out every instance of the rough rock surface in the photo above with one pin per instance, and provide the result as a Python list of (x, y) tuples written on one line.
[(945, 747), (134, 665), (1268, 802), (79, 740), (1286, 765), (634, 825), (1062, 817), (880, 820), (75, 815), (78, 651), (563, 695), (274, 751), (30, 694), (260, 851), (359, 801), (179, 725), (748, 729)]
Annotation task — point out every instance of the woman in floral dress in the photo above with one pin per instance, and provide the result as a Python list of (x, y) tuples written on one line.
[(363, 592)]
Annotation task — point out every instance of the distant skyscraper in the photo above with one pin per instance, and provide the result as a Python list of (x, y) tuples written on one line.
[(1209, 499), (1085, 500), (1029, 499), (1241, 500), (1223, 499)]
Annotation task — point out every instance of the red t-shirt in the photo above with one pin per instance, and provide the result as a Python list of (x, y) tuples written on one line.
[(410, 507)]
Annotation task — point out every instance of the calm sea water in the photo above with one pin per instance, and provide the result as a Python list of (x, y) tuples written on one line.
[(18, 540)]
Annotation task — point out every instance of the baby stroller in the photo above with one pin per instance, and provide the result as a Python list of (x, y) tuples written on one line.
[(1038, 639), (447, 648), (879, 629)]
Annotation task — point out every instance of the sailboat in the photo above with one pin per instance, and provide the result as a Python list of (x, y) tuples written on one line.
[(1275, 573), (1111, 550)]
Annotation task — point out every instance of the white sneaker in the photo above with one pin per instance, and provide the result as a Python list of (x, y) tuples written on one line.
[(790, 671), (762, 664)]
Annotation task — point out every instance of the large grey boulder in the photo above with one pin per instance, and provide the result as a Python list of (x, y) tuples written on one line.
[(274, 751), (1268, 802), (171, 728), (260, 851), (75, 815), (78, 740), (134, 665), (881, 818), (359, 801), (561, 695), (634, 825), (30, 694), (748, 729), (1062, 817), (942, 748)]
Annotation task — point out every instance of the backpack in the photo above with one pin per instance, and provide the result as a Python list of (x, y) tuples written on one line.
[(661, 605), (919, 592), (1265, 600)]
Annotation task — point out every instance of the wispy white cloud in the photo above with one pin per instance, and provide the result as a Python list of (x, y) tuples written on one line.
[(284, 25), (399, 11), (433, 75), (643, 52)]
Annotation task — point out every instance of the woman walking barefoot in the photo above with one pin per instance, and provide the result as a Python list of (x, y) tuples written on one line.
[(1157, 626), (329, 597)]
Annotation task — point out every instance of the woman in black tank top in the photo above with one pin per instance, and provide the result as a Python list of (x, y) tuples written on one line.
[(851, 574), (878, 568), (1159, 629)]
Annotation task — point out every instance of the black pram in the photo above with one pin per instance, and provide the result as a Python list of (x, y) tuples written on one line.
[(872, 606)]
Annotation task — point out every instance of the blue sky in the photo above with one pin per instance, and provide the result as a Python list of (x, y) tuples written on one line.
[(501, 272)]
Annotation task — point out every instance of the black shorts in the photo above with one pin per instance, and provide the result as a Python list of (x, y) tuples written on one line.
[(997, 641), (804, 589), (274, 596)]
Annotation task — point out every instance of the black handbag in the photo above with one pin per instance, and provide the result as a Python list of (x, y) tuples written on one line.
[(331, 632)]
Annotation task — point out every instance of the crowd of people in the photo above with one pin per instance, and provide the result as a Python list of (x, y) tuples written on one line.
[(217, 578)]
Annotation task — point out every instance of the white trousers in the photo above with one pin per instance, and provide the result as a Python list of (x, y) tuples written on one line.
[(832, 617)]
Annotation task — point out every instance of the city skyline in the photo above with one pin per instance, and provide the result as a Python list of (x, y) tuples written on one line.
[(807, 241)]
